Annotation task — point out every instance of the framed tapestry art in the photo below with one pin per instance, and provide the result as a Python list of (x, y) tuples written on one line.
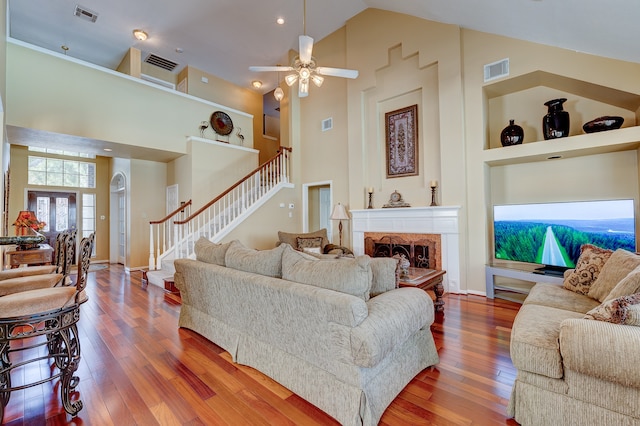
[(401, 132)]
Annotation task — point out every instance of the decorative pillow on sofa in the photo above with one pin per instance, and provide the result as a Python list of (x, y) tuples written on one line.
[(628, 285), (589, 265), (622, 310), (351, 276), (309, 242), (263, 262), (384, 277), (291, 238), (617, 267), (209, 252)]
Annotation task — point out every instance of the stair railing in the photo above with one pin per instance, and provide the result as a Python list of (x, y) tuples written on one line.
[(224, 211), (161, 235)]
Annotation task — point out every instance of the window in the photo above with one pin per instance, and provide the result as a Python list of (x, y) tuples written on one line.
[(59, 172), (61, 152), (89, 216)]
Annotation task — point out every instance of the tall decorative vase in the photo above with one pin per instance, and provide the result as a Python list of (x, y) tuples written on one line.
[(556, 123), (512, 134)]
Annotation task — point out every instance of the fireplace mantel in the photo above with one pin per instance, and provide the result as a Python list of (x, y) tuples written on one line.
[(441, 220)]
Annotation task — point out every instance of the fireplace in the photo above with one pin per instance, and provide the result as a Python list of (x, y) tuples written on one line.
[(433, 227), (422, 250)]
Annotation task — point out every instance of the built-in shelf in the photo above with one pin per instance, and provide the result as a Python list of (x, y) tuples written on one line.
[(573, 146)]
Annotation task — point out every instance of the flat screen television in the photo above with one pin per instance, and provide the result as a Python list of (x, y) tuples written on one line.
[(551, 234)]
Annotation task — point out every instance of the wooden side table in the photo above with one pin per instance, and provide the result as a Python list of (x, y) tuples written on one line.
[(426, 279), (40, 256)]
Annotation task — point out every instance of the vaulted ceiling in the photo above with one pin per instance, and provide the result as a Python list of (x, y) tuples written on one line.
[(225, 37)]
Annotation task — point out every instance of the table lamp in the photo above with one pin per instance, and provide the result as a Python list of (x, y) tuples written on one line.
[(340, 213)]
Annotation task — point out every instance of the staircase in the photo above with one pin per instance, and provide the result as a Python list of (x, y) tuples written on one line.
[(174, 236)]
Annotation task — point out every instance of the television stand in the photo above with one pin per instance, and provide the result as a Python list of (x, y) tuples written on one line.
[(555, 271), (515, 283)]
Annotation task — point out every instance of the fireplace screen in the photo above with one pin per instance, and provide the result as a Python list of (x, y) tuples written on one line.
[(420, 253)]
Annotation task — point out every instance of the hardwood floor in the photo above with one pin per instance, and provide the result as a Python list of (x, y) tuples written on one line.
[(138, 368)]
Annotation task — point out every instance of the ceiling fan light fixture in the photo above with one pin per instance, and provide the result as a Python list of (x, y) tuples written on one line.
[(304, 86), (291, 79), (140, 35), (304, 73), (278, 94), (317, 80)]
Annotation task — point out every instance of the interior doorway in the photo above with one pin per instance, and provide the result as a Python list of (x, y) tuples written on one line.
[(317, 199), (118, 220)]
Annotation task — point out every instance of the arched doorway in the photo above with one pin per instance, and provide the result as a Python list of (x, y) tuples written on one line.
[(118, 220)]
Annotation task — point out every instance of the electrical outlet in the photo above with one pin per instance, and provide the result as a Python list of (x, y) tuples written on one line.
[(290, 214), (204, 79), (282, 205)]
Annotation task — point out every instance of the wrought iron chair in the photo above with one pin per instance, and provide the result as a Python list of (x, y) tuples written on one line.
[(36, 277), (47, 316)]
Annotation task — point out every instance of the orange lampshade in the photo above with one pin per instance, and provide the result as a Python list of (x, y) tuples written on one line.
[(25, 221)]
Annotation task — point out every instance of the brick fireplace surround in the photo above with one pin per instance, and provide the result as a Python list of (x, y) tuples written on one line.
[(409, 221)]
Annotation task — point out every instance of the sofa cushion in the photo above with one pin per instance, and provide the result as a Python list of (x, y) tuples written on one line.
[(351, 276), (384, 277), (556, 296), (617, 310), (628, 285), (588, 267), (534, 339), (309, 242), (291, 238), (209, 252), (263, 262), (617, 267)]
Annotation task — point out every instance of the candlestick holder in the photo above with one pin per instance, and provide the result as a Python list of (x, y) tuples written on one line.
[(370, 200), (433, 196)]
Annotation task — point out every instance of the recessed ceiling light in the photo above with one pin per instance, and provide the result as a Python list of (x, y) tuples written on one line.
[(256, 83), (280, 21), (140, 35), (179, 50)]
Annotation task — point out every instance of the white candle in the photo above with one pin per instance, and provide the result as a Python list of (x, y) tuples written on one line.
[(434, 183), (370, 190)]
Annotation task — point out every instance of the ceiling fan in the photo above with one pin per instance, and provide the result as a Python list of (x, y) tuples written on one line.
[(304, 65)]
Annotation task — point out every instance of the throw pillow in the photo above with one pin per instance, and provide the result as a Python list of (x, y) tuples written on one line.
[(209, 252), (263, 262), (617, 267), (312, 250), (351, 276), (622, 310), (628, 285), (308, 242), (589, 264), (290, 238)]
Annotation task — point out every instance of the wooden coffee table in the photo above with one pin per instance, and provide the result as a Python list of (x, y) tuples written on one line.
[(426, 279)]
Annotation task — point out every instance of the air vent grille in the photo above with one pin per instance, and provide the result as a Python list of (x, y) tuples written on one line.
[(84, 13), (159, 62), (327, 124), (496, 70)]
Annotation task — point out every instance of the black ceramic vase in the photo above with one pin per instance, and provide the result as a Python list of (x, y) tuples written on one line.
[(512, 134), (556, 123)]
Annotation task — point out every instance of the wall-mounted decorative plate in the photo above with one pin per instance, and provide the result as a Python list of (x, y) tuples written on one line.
[(221, 123)]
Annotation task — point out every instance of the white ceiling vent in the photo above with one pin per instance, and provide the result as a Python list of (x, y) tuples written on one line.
[(327, 124), (84, 13), (496, 70), (163, 63)]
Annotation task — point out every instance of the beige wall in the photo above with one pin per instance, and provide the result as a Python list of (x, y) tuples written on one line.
[(19, 187), (103, 104), (222, 92)]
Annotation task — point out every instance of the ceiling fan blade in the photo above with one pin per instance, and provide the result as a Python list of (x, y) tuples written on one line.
[(337, 72), (306, 48), (269, 68)]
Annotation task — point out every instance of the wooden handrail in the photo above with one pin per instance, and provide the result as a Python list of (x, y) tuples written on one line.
[(234, 186), (170, 215)]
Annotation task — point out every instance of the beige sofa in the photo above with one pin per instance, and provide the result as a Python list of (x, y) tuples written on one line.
[(577, 346), (336, 332)]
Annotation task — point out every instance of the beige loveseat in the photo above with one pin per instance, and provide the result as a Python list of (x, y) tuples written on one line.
[(336, 332), (577, 346)]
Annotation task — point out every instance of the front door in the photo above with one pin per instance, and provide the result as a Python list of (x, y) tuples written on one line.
[(56, 209)]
